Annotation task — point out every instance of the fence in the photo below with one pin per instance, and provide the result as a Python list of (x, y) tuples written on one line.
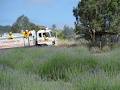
[(16, 42)]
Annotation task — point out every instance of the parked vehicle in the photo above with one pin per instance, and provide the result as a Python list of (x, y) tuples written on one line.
[(45, 37), (27, 38)]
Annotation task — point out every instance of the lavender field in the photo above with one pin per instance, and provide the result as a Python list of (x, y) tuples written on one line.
[(45, 68)]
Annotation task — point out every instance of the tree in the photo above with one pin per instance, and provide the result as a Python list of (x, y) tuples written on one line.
[(23, 23), (68, 32), (60, 34), (54, 27), (97, 15)]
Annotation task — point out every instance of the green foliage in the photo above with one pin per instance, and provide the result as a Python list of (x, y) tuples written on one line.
[(63, 69), (60, 34), (68, 32), (93, 15), (54, 27), (4, 29), (23, 23), (65, 33)]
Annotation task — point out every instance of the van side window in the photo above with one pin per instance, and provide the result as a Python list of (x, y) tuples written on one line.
[(40, 35)]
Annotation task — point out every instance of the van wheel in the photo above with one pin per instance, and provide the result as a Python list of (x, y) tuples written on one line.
[(53, 42), (36, 43)]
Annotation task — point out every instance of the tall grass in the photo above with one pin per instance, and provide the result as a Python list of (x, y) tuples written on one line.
[(59, 69)]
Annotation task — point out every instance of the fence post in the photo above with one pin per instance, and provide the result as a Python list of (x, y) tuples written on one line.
[(28, 41), (24, 41)]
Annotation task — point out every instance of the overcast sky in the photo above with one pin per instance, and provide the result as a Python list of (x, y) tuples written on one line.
[(43, 12)]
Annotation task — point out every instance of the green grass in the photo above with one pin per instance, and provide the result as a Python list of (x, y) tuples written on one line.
[(52, 68)]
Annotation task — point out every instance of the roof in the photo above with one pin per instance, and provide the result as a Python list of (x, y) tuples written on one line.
[(42, 31)]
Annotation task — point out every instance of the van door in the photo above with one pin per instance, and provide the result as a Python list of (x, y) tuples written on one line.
[(39, 38)]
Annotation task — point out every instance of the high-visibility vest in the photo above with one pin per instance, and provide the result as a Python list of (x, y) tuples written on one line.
[(26, 34), (10, 35)]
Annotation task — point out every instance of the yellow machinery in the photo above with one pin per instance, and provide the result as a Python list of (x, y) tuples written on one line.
[(26, 34), (10, 35)]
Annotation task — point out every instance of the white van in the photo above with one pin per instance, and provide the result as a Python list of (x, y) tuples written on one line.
[(45, 37), (41, 37)]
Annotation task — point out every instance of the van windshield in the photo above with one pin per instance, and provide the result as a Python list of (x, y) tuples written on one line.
[(46, 34)]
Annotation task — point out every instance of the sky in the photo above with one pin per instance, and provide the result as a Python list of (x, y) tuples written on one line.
[(41, 12)]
